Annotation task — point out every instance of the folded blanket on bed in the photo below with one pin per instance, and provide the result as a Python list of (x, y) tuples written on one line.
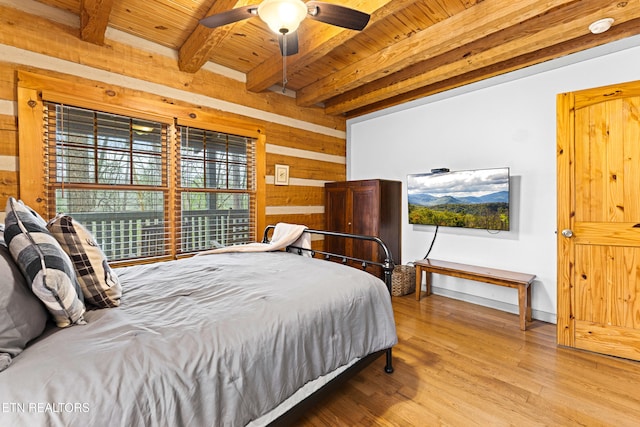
[(284, 235)]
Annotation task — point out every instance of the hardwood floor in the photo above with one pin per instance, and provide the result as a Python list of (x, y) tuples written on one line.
[(459, 364)]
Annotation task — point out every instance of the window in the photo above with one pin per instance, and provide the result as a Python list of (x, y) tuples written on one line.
[(215, 176), (129, 180)]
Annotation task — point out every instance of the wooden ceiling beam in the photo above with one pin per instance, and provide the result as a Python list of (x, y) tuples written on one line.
[(314, 47), (310, 49), (94, 18), (542, 35), (472, 24), (197, 48), (628, 29)]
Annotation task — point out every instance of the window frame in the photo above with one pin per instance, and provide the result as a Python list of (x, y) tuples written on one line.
[(34, 89), (183, 190)]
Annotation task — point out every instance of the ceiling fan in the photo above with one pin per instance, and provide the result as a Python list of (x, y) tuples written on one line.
[(284, 17)]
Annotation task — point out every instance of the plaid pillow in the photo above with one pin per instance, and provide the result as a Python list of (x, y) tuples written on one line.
[(99, 284), (44, 264)]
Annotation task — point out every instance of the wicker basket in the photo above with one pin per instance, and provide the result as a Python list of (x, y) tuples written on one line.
[(403, 280)]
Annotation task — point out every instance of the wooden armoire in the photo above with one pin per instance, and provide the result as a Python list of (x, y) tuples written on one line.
[(370, 207)]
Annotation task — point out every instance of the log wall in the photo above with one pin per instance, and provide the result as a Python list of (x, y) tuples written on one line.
[(311, 143)]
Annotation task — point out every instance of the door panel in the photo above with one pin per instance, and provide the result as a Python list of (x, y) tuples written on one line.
[(598, 200), (615, 301), (365, 201), (611, 340), (336, 215), (365, 209)]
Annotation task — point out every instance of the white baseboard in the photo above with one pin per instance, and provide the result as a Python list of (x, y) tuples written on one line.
[(498, 305)]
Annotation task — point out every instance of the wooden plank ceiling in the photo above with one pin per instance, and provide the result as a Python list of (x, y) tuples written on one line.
[(409, 49)]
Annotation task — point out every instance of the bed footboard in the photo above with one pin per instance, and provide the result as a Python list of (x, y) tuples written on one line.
[(385, 261)]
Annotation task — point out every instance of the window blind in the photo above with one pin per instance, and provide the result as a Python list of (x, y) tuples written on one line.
[(216, 189), (148, 189), (109, 172)]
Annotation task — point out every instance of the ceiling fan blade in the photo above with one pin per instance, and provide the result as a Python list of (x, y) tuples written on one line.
[(230, 16), (292, 43), (337, 15)]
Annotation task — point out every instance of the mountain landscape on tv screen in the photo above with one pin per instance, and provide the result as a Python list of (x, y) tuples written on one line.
[(424, 199), (471, 199)]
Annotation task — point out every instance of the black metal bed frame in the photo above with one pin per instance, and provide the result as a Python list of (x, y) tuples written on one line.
[(387, 265)]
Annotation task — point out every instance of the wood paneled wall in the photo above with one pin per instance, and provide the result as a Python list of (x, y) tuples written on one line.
[(312, 144), (8, 157)]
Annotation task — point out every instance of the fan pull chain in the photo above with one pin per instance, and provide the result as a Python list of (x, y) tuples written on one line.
[(284, 59)]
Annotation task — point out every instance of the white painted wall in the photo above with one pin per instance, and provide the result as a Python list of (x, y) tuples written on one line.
[(505, 121)]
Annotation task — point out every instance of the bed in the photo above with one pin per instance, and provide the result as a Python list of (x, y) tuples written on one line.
[(228, 339)]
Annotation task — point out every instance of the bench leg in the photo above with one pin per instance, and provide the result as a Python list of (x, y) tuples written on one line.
[(523, 306), (529, 318), (419, 271)]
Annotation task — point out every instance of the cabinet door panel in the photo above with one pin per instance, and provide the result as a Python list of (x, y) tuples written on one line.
[(336, 213), (365, 218)]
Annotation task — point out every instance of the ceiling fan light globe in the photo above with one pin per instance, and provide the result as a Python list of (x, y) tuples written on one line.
[(282, 16)]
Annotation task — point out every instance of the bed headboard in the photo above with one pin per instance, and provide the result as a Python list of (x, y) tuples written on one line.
[(385, 260)]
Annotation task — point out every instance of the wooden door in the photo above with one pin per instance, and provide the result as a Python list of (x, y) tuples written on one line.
[(599, 220)]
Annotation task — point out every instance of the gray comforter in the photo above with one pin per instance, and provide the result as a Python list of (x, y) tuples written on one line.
[(215, 340)]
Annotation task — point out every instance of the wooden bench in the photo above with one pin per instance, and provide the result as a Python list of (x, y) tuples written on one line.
[(520, 281)]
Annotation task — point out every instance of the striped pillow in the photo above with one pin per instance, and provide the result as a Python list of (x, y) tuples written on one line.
[(99, 284), (44, 264)]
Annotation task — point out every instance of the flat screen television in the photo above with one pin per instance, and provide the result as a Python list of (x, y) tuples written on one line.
[(470, 198)]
